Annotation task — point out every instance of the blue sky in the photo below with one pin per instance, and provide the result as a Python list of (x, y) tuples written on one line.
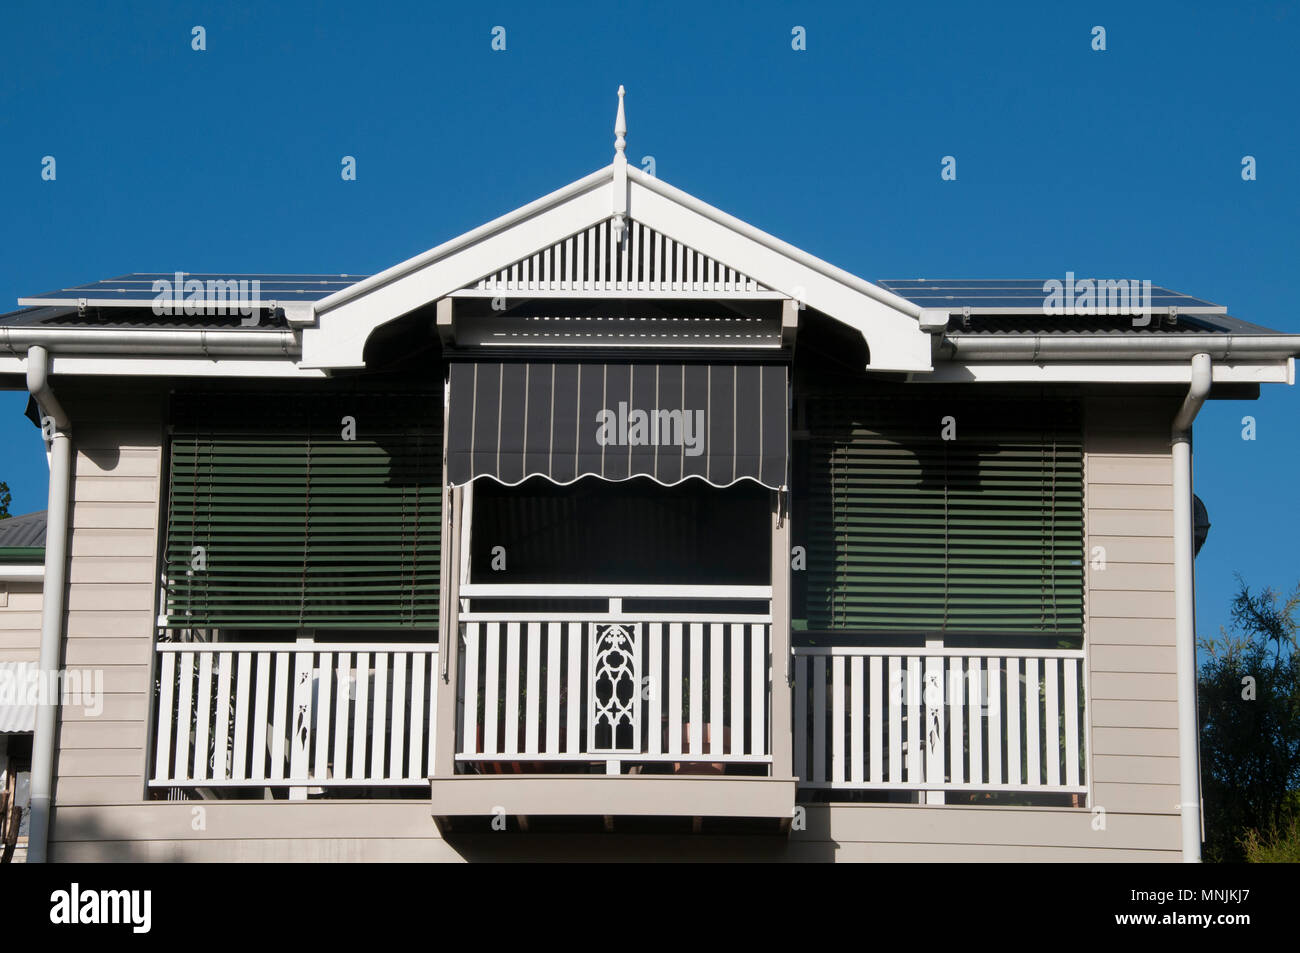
[(1122, 163)]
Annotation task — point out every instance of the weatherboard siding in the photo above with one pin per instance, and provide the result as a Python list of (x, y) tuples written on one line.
[(404, 831), (1132, 663), (101, 811), (117, 437), (20, 621)]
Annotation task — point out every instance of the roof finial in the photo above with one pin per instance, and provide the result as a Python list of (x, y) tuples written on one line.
[(620, 171), (620, 126)]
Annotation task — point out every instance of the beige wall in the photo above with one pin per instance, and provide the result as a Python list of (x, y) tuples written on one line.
[(404, 831), (111, 597), (100, 808), (1133, 686), (20, 621)]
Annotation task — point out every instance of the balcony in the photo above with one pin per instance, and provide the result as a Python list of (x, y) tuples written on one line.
[(621, 712), (942, 724), (294, 718)]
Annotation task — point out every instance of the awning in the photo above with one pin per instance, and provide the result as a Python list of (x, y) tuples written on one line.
[(717, 422), (17, 696)]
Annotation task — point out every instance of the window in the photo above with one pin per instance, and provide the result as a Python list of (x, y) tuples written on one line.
[(293, 510), (908, 532)]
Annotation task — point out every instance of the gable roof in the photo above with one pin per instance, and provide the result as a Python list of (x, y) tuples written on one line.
[(618, 234), (344, 320)]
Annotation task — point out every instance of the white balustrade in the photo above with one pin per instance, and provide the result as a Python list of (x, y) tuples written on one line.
[(938, 719), (614, 686), (295, 715)]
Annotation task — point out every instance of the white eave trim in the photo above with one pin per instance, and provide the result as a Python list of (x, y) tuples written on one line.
[(689, 201), (19, 572), (509, 220)]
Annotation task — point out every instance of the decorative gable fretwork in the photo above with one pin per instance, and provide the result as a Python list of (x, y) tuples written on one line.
[(645, 261)]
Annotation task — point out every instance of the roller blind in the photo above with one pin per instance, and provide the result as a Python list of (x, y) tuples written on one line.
[(299, 519), (911, 532)]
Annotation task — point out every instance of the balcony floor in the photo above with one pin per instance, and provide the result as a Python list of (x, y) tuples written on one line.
[(610, 796)]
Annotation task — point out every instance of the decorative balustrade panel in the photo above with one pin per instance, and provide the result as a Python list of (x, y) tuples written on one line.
[(284, 714), (940, 719), (616, 689)]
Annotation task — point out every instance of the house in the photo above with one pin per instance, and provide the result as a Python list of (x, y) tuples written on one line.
[(618, 528), (22, 568)]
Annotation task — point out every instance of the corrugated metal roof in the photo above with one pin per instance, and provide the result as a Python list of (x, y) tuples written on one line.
[(18, 696), (1103, 325), (26, 530), (131, 319), (985, 322)]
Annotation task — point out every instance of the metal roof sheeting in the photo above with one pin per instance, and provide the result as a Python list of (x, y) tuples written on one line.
[(26, 530)]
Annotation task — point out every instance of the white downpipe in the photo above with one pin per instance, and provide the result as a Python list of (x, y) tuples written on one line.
[(53, 600), (1189, 756)]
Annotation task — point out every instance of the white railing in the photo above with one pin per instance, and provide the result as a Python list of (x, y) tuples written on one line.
[(296, 715), (937, 719), (616, 687)]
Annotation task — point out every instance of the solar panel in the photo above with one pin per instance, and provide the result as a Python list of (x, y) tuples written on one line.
[(1038, 296), (149, 288)]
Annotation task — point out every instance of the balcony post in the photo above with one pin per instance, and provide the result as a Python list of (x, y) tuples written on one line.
[(779, 716), (446, 678)]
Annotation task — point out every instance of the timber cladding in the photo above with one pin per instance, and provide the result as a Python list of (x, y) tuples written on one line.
[(101, 807), (1130, 594)]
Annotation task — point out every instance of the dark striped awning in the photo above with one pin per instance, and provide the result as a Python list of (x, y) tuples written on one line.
[(716, 422)]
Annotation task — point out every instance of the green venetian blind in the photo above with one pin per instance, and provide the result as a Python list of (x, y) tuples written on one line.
[(300, 527), (909, 532)]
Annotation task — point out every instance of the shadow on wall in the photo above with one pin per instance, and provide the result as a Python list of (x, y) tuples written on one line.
[(553, 840), (637, 848), (105, 458), (87, 840)]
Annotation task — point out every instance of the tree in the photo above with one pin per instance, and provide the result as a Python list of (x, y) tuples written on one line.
[(5, 499), (1249, 696)]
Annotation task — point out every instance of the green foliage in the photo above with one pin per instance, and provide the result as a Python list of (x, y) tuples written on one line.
[(1277, 845), (1249, 696), (5, 499)]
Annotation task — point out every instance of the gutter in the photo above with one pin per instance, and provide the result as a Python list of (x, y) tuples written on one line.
[(198, 343), (1189, 767), (1036, 348), (53, 602)]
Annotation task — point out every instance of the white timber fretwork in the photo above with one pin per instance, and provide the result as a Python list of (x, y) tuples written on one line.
[(619, 687), (594, 261)]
